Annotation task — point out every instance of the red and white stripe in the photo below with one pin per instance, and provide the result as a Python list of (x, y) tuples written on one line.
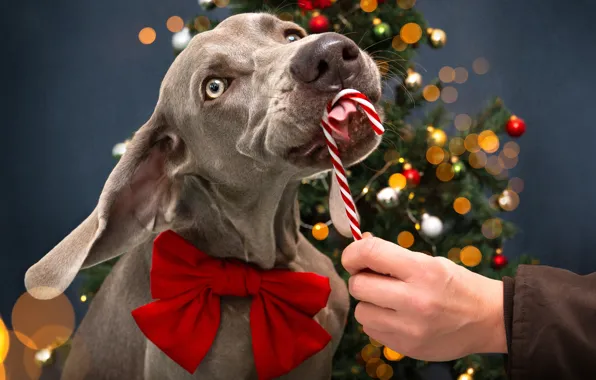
[(338, 166)]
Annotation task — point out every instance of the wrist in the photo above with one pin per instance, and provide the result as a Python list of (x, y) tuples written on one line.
[(493, 318)]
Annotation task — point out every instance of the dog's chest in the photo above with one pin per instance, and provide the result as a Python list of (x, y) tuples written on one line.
[(230, 356)]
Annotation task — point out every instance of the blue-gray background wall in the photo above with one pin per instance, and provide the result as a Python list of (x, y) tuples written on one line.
[(75, 80)]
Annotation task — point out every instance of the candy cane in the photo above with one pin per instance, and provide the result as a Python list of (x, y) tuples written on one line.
[(338, 167)]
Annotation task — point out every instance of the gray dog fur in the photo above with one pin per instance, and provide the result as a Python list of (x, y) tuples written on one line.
[(220, 174)]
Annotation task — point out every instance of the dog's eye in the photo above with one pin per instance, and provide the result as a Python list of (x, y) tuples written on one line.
[(215, 88), (292, 37)]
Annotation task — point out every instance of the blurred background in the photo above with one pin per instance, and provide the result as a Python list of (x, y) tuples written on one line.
[(76, 80)]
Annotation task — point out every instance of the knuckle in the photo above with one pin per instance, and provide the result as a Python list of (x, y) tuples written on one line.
[(369, 248), (358, 313), (425, 307), (355, 286)]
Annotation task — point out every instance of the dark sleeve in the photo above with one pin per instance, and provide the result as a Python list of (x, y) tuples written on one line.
[(550, 322)]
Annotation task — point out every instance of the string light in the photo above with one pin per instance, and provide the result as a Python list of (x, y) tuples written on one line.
[(470, 256), (431, 93), (405, 239), (83, 298)]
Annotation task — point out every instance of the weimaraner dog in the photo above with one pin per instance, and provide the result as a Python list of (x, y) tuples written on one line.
[(235, 130)]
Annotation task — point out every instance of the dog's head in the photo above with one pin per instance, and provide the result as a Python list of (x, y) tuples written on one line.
[(241, 104)]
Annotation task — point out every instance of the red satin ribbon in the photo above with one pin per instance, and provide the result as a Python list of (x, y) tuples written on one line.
[(184, 319)]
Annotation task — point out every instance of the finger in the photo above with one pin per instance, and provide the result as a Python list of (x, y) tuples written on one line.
[(382, 257), (376, 317), (383, 291), (367, 235)]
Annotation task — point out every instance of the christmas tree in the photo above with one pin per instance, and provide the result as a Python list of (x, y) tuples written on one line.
[(438, 184)]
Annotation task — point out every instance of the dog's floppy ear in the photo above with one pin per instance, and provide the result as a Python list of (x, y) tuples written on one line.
[(337, 209), (138, 199)]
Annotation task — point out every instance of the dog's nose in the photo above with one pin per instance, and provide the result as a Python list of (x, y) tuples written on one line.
[(327, 63)]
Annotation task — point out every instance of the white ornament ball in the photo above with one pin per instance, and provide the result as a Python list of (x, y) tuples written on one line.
[(207, 4), (181, 39), (431, 226), (118, 150), (388, 197)]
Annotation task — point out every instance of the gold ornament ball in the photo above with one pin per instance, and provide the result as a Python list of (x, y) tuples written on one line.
[(437, 38), (438, 137), (320, 231), (413, 81)]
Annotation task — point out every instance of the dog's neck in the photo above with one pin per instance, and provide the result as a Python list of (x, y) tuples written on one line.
[(258, 223)]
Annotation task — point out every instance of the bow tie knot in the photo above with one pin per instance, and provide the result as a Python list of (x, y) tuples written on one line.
[(236, 279)]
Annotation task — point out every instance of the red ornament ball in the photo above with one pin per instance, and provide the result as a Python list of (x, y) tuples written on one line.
[(319, 24), (412, 175), (309, 5), (499, 261), (515, 126)]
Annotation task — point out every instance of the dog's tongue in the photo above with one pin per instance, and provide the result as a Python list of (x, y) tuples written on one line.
[(339, 118)]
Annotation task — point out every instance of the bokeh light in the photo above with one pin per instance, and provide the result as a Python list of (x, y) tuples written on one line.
[(492, 165), (492, 228), (405, 239), (398, 44), (488, 141), (406, 4), (397, 181), (20, 363), (202, 23), (453, 254), (471, 143), (511, 149), (462, 122), (447, 74), (147, 36), (470, 256), (221, 3), (392, 355), (286, 16), (4, 341), (43, 322), (368, 5), (372, 365), (456, 146), (508, 200), (461, 75), (370, 352), (375, 343), (449, 94), (383, 67), (477, 160), (410, 33), (384, 372), (462, 205), (516, 184), (437, 136), (507, 162), (175, 24), (480, 66), (445, 172), (431, 93), (435, 155)]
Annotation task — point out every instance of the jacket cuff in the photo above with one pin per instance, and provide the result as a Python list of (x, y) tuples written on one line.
[(508, 292)]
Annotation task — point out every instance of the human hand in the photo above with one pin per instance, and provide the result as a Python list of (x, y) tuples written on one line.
[(423, 307)]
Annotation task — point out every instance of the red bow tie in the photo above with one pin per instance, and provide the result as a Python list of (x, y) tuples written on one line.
[(184, 319)]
